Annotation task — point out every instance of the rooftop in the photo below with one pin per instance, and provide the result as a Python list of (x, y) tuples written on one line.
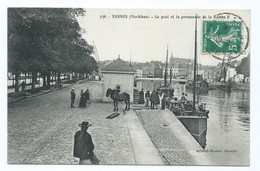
[(119, 65)]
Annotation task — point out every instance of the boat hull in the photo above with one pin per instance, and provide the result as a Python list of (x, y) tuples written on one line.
[(197, 127)]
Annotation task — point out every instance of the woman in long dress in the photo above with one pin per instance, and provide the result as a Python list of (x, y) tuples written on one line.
[(82, 100), (157, 98), (141, 99)]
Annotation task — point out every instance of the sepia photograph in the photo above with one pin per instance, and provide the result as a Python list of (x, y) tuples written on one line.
[(134, 85), (128, 86)]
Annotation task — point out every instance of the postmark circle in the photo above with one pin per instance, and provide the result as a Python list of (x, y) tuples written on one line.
[(227, 35)]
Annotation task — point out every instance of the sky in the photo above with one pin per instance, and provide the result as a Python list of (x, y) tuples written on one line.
[(143, 39)]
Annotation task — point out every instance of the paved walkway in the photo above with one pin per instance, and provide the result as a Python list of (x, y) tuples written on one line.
[(172, 139), (15, 97), (144, 151), (41, 131)]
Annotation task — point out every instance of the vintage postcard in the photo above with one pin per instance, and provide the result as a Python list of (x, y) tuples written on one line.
[(128, 86)]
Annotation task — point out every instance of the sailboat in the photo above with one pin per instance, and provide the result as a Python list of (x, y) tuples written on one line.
[(193, 115), (192, 109), (167, 89)]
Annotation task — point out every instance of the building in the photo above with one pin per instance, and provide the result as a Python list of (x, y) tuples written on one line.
[(118, 75), (158, 72), (139, 73), (231, 72), (238, 78), (211, 73), (148, 71), (182, 67), (168, 72)]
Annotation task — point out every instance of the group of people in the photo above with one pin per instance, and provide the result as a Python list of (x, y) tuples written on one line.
[(157, 99), (154, 98), (84, 98)]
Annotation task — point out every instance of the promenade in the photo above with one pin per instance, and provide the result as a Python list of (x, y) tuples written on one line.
[(41, 131)]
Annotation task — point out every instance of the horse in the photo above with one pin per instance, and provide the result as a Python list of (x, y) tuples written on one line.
[(116, 97)]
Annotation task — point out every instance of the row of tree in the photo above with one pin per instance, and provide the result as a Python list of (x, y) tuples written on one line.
[(45, 41), (244, 67)]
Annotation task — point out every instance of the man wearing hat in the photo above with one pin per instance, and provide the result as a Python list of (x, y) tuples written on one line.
[(72, 97), (147, 97), (83, 146)]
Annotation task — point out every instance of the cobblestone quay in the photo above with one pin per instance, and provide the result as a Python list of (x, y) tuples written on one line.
[(41, 130)]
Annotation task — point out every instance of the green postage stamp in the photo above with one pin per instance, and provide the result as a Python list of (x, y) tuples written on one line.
[(222, 36)]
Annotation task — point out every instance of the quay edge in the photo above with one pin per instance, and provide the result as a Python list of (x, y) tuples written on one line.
[(184, 146)]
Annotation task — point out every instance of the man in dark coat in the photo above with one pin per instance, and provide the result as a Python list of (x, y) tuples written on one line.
[(153, 99), (141, 97), (157, 101), (23, 85), (83, 145), (72, 97)]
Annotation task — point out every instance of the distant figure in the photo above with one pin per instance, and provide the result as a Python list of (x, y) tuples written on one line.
[(183, 100), (87, 96), (72, 97), (82, 99), (186, 98), (163, 101), (147, 97), (83, 146), (81, 92), (157, 101), (141, 97), (160, 99), (175, 102), (23, 85), (153, 99), (59, 81)]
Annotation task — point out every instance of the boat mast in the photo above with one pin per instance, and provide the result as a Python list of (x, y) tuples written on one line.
[(131, 58), (165, 74), (195, 67)]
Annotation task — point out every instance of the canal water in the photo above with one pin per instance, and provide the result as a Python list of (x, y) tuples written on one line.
[(228, 131)]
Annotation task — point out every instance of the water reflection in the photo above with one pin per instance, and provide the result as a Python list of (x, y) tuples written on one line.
[(243, 106), (229, 119), (224, 122), (229, 122)]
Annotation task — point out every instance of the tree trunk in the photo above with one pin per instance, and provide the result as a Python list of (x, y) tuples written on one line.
[(44, 80), (30, 75), (38, 75), (34, 76), (51, 77), (25, 76), (13, 81), (48, 80), (59, 80), (55, 76), (16, 82)]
